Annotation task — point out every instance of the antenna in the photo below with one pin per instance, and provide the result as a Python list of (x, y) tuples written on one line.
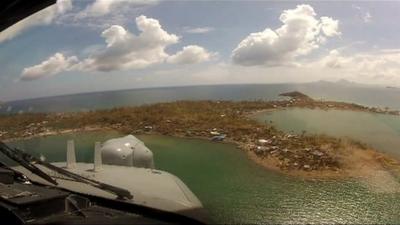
[(71, 159), (97, 156)]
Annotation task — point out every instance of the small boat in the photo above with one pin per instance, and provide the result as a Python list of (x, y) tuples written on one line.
[(218, 137)]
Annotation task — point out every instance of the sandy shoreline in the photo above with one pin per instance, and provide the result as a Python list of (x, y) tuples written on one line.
[(56, 132), (307, 156), (357, 163)]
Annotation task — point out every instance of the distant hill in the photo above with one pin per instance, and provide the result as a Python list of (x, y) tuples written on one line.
[(341, 82), (345, 83), (296, 95)]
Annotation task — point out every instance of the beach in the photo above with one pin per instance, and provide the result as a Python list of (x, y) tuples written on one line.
[(308, 156)]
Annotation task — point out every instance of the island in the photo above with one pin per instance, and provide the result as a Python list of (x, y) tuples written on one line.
[(296, 95), (304, 155)]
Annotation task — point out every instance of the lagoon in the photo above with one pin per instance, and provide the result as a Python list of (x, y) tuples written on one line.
[(236, 190), (379, 131)]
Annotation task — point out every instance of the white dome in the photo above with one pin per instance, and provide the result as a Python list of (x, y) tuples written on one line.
[(127, 151)]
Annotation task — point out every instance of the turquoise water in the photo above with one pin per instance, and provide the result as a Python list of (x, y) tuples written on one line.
[(236, 190), (377, 130)]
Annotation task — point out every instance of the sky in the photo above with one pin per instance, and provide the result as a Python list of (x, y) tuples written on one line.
[(80, 46)]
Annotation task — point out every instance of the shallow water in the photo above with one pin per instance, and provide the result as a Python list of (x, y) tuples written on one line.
[(377, 130), (236, 190)]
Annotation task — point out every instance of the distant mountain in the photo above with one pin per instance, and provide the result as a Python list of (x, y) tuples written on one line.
[(346, 82), (343, 83)]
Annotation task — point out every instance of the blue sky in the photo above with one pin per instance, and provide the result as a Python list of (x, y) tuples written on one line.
[(84, 46)]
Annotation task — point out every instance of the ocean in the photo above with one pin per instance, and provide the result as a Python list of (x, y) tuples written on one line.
[(232, 187), (339, 91)]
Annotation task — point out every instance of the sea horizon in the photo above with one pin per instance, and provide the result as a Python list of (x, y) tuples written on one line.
[(342, 90)]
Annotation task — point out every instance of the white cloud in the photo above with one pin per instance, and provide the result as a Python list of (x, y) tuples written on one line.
[(382, 64), (190, 54), (104, 7), (334, 60), (363, 14), (53, 65), (43, 17), (329, 26), (367, 17), (198, 30), (124, 50), (127, 51), (300, 33), (227, 73)]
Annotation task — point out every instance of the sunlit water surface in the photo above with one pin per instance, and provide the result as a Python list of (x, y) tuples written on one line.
[(377, 130), (235, 190), (365, 95)]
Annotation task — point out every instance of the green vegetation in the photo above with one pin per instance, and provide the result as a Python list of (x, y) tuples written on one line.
[(203, 119)]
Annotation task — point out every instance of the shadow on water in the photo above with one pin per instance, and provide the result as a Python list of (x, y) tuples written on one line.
[(236, 190)]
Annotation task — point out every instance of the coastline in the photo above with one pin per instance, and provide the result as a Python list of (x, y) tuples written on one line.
[(353, 167), (309, 157)]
